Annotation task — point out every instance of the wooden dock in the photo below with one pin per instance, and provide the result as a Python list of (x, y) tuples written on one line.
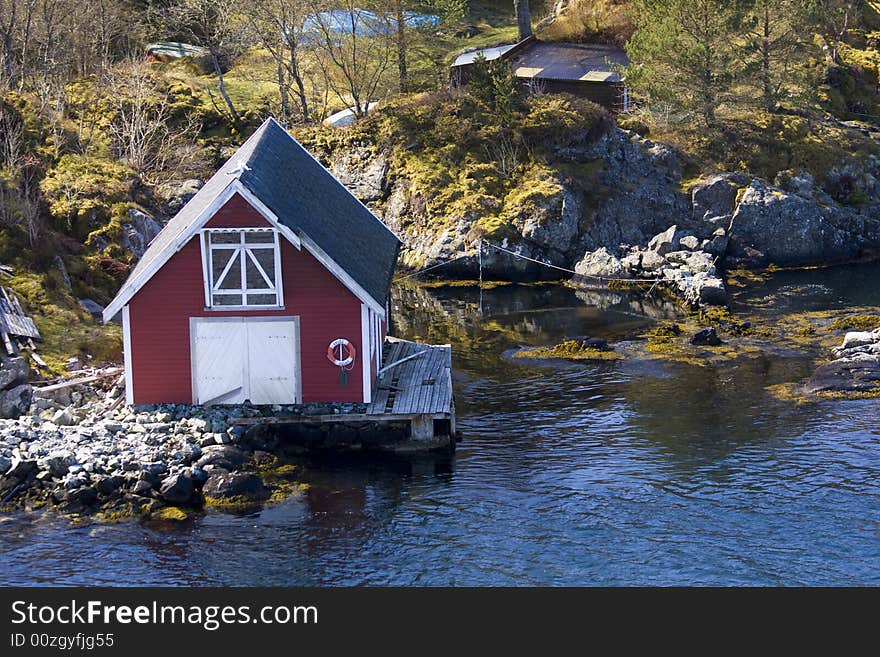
[(414, 386)]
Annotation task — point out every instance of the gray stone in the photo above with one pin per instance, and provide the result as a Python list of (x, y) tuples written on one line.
[(222, 484), (20, 468), (81, 497), (858, 374), (774, 226), (13, 372), (143, 488), (223, 456), (664, 242), (61, 268), (136, 234), (716, 196), (689, 242), (109, 485), (362, 171), (707, 336), (177, 194), (64, 418), (93, 308), (601, 263), (859, 338), (555, 224), (178, 489), (5, 464), (16, 401), (652, 261), (58, 463), (712, 292)]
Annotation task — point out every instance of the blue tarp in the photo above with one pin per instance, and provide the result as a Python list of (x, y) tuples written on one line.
[(362, 22)]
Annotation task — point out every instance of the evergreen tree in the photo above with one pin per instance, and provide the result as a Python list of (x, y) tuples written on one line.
[(684, 53), (775, 48)]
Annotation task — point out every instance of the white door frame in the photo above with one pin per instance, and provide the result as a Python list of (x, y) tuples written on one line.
[(297, 386)]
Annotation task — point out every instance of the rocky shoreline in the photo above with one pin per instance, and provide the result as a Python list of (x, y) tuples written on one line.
[(639, 220), (855, 370), (164, 461)]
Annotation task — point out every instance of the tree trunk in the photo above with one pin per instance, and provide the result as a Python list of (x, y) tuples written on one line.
[(523, 18), (222, 87), (401, 46), (769, 100), (7, 46), (300, 87), (283, 94)]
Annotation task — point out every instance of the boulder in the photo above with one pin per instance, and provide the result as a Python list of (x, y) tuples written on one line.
[(109, 485), (16, 401), (221, 456), (689, 242), (601, 263), (665, 242), (717, 244), (859, 339), (13, 372), (652, 261), (143, 488), (178, 489), (58, 463), (707, 336), (93, 308), (21, 468), (64, 418), (860, 373), (710, 291), (178, 194), (5, 464), (363, 172), (80, 497), (771, 225), (555, 224), (715, 197), (222, 484), (137, 233), (596, 343)]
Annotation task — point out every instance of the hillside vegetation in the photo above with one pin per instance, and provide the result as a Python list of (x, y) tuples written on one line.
[(91, 134)]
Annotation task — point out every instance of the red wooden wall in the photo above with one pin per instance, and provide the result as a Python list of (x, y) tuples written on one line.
[(160, 313)]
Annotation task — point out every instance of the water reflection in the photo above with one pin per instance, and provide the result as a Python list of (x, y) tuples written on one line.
[(609, 473)]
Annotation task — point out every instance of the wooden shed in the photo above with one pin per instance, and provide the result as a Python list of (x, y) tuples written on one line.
[(269, 286), (584, 69)]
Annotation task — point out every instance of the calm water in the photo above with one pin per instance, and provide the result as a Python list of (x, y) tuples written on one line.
[(627, 473)]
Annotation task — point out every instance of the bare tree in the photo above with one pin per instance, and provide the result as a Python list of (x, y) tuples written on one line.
[(835, 19), (19, 187), (144, 136), (278, 25), (211, 24), (353, 49)]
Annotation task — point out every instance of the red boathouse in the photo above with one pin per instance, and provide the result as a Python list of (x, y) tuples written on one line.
[(269, 286)]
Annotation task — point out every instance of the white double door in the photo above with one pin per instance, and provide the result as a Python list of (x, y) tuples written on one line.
[(245, 358)]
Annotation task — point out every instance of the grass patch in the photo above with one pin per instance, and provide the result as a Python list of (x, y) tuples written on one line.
[(569, 350), (856, 323)]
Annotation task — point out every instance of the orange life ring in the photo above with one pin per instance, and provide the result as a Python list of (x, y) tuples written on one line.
[(348, 347)]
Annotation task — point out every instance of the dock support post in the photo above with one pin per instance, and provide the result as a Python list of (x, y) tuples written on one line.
[(422, 427)]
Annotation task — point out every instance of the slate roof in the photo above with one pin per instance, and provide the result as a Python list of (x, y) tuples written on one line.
[(305, 197)]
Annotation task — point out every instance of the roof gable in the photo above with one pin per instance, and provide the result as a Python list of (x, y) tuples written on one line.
[(291, 189)]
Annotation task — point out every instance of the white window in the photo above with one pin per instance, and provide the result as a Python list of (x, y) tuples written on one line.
[(242, 268)]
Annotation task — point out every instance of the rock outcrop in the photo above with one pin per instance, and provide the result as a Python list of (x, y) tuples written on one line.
[(856, 368), (619, 225), (137, 233), (15, 391)]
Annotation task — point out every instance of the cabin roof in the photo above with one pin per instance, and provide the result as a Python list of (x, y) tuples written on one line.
[(584, 62), (304, 196)]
